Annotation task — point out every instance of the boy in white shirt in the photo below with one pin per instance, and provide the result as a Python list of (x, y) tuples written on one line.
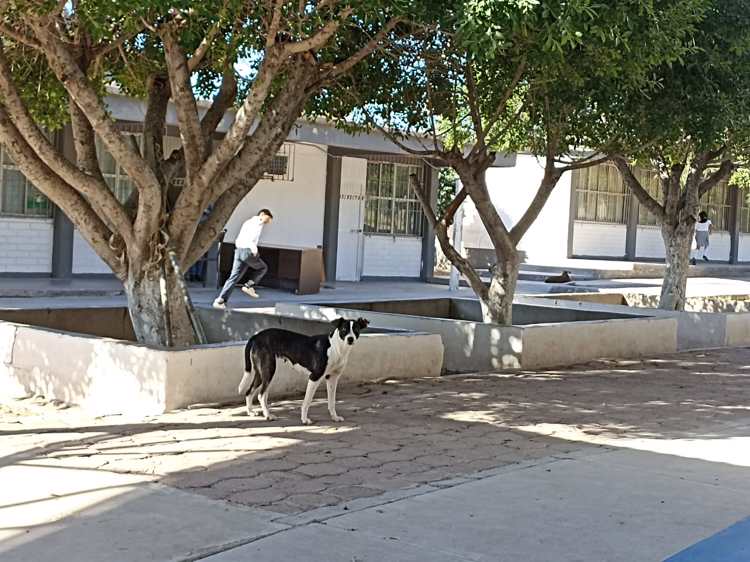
[(703, 229), (246, 257)]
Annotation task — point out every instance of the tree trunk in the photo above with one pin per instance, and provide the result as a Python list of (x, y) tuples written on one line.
[(677, 242), (497, 302), (160, 308)]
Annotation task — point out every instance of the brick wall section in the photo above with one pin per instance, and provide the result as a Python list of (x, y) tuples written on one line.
[(386, 256), (25, 245)]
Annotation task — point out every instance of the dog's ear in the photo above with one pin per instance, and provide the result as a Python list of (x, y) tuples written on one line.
[(338, 322), (362, 323)]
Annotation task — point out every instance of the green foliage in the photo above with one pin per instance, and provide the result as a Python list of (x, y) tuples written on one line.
[(575, 56), (136, 52), (702, 101), (446, 188)]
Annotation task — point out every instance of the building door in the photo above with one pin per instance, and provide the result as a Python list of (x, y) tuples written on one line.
[(351, 219)]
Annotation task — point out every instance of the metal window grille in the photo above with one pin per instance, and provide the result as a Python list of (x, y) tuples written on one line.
[(281, 167), (717, 204), (391, 207), (652, 183), (113, 174), (601, 195)]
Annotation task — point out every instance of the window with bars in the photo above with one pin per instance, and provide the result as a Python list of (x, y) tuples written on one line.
[(391, 207), (18, 196), (718, 205), (601, 195), (113, 173), (116, 178), (651, 182), (744, 214)]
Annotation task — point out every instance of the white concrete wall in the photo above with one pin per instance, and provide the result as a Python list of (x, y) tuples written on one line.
[(719, 246), (511, 190), (85, 259), (297, 205), (596, 239), (392, 256), (25, 245), (649, 242), (744, 250), (106, 376)]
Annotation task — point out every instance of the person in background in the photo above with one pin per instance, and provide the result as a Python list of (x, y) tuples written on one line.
[(246, 257), (703, 229)]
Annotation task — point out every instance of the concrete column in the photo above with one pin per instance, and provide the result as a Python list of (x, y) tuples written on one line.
[(428, 233), (572, 215), (735, 204), (458, 226), (62, 233), (631, 235), (331, 217), (62, 246)]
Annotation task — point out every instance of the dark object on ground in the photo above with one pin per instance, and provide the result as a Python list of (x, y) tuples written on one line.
[(564, 277)]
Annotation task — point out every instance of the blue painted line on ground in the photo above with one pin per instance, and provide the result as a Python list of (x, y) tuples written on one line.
[(730, 545)]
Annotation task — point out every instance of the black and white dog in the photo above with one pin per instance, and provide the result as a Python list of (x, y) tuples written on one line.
[(318, 357)]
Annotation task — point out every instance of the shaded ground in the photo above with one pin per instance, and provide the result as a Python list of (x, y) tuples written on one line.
[(400, 435)]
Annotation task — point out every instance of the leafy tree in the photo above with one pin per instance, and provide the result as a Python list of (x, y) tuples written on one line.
[(57, 61), (507, 75), (693, 131)]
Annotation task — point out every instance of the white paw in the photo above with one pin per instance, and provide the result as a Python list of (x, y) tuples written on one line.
[(336, 418), (307, 421), (270, 417)]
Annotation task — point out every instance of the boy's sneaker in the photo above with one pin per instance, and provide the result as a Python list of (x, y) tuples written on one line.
[(250, 292), (220, 304), (692, 261), (705, 258)]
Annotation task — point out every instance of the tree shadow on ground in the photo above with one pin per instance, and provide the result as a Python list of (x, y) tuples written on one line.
[(401, 434)]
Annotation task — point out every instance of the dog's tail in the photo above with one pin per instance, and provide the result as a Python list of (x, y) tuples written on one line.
[(248, 376)]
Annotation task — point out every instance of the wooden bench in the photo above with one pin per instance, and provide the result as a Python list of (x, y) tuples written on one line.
[(291, 268)]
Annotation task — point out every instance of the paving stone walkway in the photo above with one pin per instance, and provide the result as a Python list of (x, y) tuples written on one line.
[(397, 435)]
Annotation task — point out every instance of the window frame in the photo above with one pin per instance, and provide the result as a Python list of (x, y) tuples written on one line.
[(413, 219), (7, 165), (613, 190)]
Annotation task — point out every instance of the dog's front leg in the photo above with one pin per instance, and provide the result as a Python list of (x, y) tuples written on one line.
[(331, 383), (312, 386)]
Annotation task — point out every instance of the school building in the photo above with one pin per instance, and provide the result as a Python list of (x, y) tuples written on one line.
[(349, 195), (591, 214)]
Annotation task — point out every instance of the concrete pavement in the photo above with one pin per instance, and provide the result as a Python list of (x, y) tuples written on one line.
[(629, 460)]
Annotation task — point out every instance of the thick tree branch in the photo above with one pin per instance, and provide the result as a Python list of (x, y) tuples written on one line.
[(223, 100), (63, 64), (91, 227), (320, 37), (441, 232), (643, 196), (723, 172), (346, 65), (186, 106), (546, 186), (92, 186)]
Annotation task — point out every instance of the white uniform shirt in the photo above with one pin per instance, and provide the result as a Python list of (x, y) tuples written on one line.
[(250, 234), (703, 226)]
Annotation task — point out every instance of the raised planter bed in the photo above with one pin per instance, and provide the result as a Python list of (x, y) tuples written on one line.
[(707, 322), (545, 334), (64, 357)]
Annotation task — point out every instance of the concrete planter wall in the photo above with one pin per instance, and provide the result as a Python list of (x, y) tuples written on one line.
[(715, 326), (474, 346), (109, 376)]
